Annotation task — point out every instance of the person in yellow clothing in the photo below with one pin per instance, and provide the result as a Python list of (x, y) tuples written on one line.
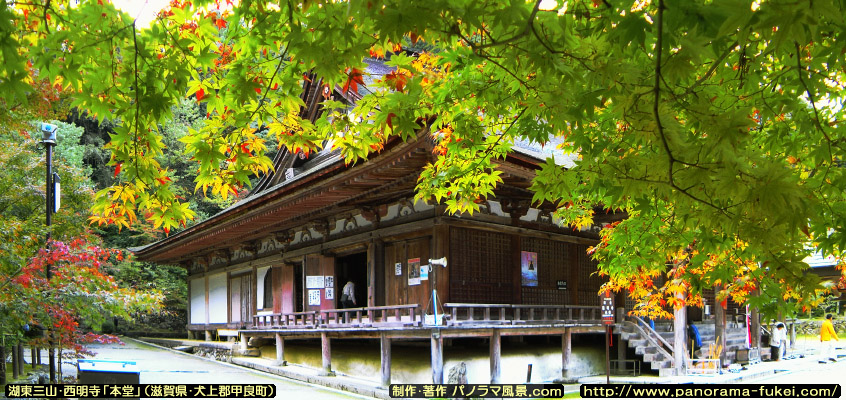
[(827, 333)]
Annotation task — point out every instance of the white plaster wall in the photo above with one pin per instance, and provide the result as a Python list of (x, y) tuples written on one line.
[(217, 299), (198, 301), (261, 272), (531, 215), (420, 205)]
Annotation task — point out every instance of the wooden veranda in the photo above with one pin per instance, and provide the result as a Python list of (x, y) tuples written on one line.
[(409, 321)]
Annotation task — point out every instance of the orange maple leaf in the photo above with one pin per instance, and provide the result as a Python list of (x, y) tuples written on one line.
[(354, 78)]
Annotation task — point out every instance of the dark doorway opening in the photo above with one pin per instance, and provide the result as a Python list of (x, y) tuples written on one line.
[(352, 268), (299, 298)]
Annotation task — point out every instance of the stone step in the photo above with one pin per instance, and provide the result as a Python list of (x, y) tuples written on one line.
[(661, 364), (665, 372)]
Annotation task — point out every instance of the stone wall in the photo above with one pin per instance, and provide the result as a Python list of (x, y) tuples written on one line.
[(812, 327)]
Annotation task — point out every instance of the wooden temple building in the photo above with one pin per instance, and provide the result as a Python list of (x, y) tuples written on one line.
[(274, 265)]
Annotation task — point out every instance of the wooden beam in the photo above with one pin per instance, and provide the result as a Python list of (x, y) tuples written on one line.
[(465, 222), (326, 355), (437, 358), (566, 352), (385, 369), (496, 356), (280, 350)]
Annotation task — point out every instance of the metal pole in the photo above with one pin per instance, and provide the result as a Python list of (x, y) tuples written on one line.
[(51, 355)]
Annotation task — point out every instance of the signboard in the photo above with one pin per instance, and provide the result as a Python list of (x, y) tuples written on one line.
[(413, 271), (315, 282), (314, 297), (562, 285), (330, 293), (329, 281), (398, 269), (424, 272), (607, 304), (529, 268)]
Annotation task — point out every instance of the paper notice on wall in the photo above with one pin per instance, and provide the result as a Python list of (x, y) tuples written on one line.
[(315, 282), (330, 282), (314, 297), (330, 293), (424, 272), (398, 269), (413, 271)]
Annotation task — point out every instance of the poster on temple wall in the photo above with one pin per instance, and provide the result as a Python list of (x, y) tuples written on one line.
[(398, 269), (529, 268), (413, 271), (315, 282), (314, 297), (330, 293)]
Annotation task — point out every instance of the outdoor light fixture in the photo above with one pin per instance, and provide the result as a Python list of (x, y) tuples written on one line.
[(48, 133)]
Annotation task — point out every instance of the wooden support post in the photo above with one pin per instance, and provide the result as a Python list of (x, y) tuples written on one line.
[(21, 358), (385, 344), (244, 341), (280, 350), (679, 330), (496, 356), (2, 363), (208, 336), (720, 327), (621, 344), (32, 357), (15, 362), (755, 329), (793, 334), (437, 357), (326, 353), (566, 352)]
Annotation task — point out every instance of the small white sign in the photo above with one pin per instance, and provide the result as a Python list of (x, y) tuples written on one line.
[(330, 281), (314, 297), (398, 269), (330, 293), (314, 282), (424, 272)]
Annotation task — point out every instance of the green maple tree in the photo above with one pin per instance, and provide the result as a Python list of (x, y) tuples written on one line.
[(716, 126)]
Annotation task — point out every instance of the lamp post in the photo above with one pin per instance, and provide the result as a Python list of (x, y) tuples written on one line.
[(48, 138)]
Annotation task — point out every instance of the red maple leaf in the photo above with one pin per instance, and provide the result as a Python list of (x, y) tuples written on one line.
[(117, 168), (221, 23), (397, 81), (200, 93), (353, 80), (390, 121)]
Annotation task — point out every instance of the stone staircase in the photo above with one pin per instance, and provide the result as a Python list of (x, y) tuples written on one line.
[(655, 347), (651, 348)]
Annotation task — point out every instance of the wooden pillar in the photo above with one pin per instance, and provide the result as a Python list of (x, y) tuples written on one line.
[(32, 357), (244, 340), (208, 335), (755, 329), (2, 363), (280, 350), (437, 357), (496, 356), (566, 351), (371, 274), (15, 362), (621, 344), (720, 327), (385, 344), (326, 353), (21, 358), (793, 334), (679, 326)]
